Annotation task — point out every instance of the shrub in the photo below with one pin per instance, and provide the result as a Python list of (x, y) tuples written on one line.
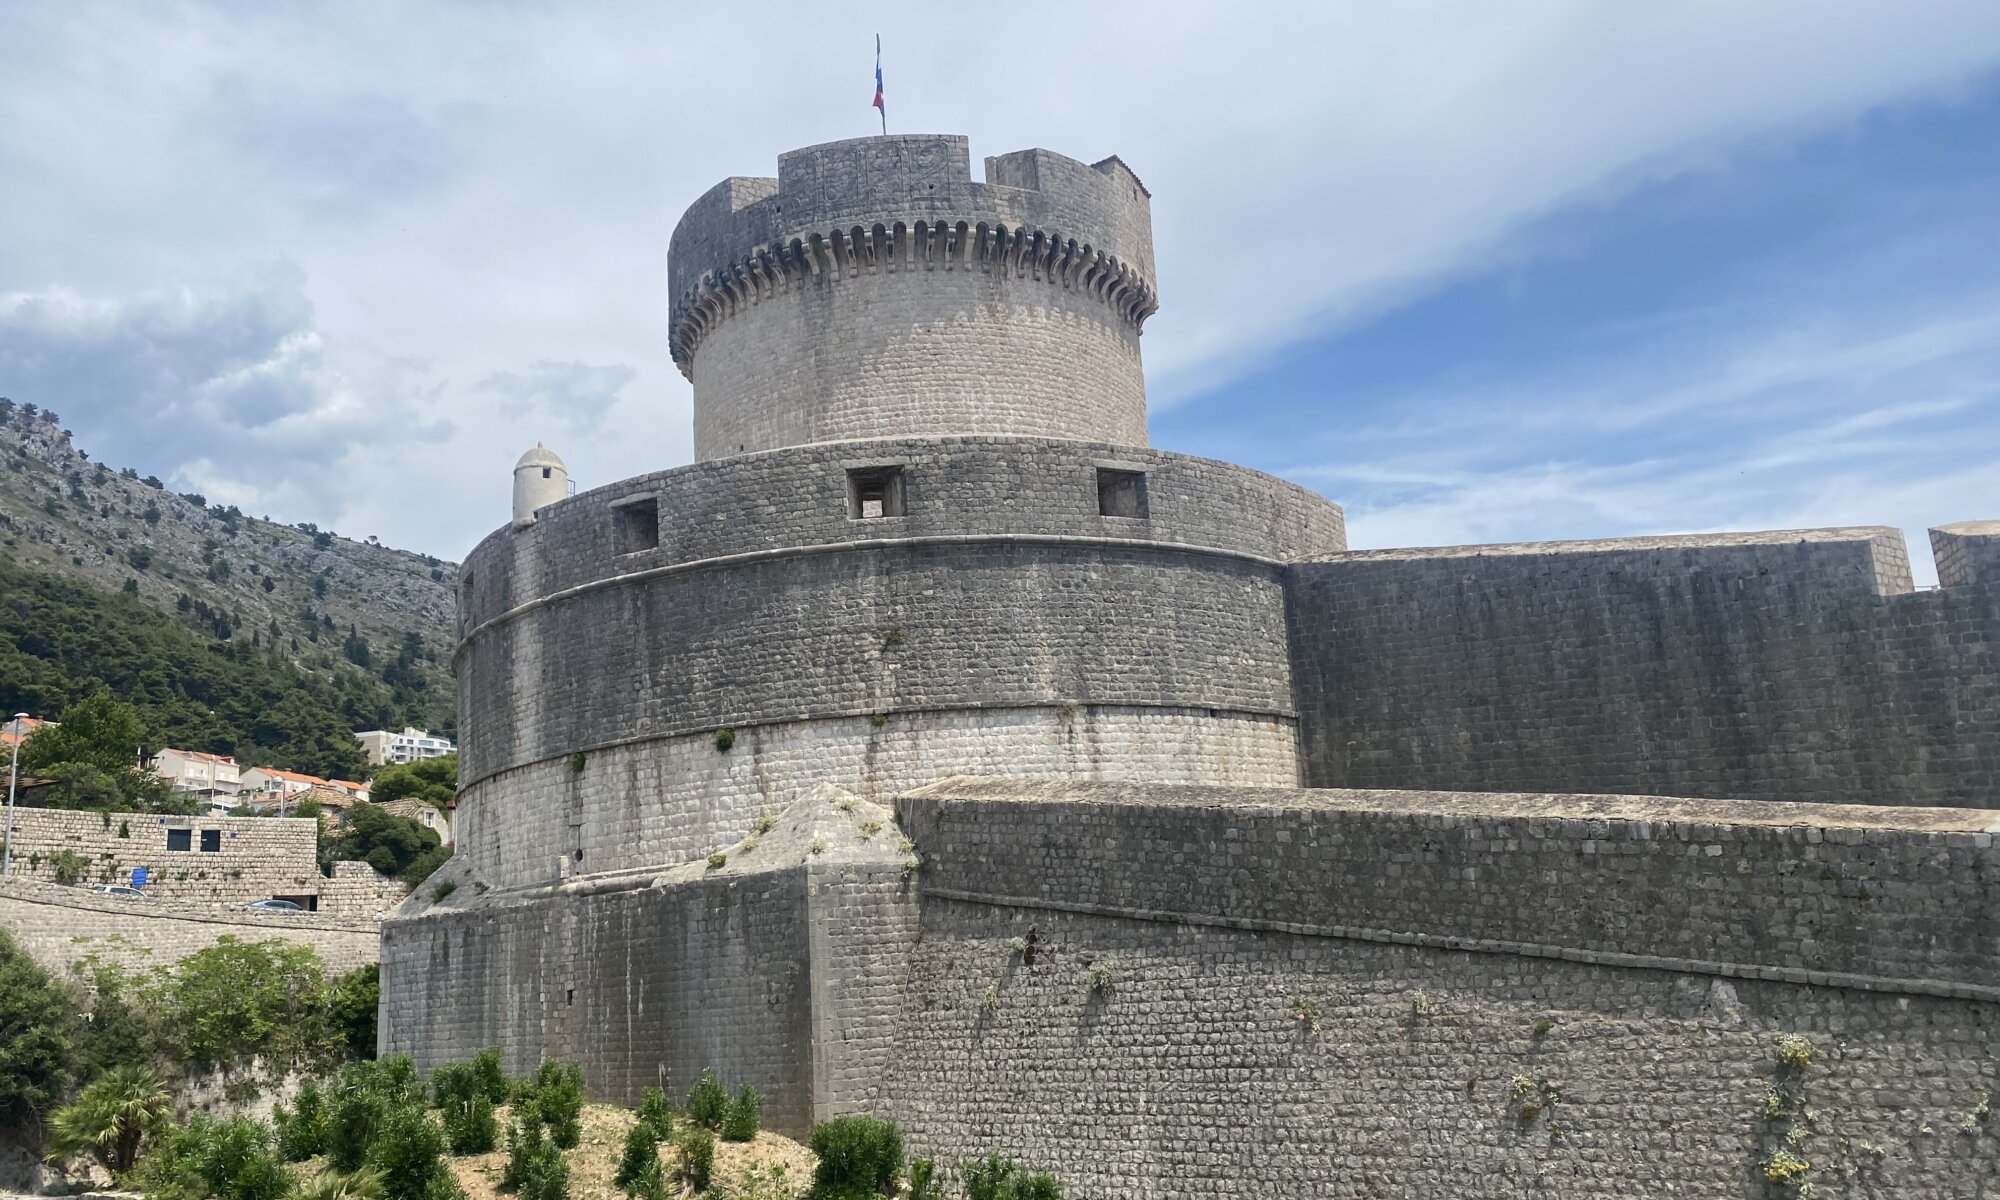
[(650, 1183), (724, 739), (653, 1111), (707, 1100), (491, 1079), (996, 1178), (350, 1009), (544, 1174), (229, 1159), (469, 1127), (559, 1100), (110, 1117), (1795, 1050), (697, 1158), (858, 1157), (641, 1148), (924, 1181), (235, 1000), (365, 1184), (353, 1118), (302, 1131), (409, 1151), (739, 1119), (36, 1017), (524, 1143)]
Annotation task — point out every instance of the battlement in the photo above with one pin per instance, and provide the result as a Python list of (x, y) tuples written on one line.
[(1008, 306)]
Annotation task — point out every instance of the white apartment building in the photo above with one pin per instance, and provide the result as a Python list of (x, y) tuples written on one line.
[(383, 746), (215, 776)]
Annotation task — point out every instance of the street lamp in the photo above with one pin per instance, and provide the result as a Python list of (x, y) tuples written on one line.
[(13, 774)]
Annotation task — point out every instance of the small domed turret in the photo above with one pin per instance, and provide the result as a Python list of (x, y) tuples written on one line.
[(540, 479)]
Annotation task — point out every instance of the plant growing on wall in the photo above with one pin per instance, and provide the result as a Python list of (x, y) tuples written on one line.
[(725, 737)]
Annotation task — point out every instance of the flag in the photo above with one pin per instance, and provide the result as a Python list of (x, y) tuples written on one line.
[(878, 84)]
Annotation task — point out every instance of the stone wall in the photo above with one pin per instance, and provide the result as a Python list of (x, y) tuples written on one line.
[(873, 289), (1967, 552), (59, 926), (1793, 665), (753, 967), (1221, 992), (358, 890), (254, 857)]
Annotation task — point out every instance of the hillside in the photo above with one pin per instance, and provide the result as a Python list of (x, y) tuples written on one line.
[(320, 601)]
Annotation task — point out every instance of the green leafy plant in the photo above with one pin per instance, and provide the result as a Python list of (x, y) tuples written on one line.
[(641, 1153), (725, 737), (302, 1128), (740, 1118), (657, 1113), (924, 1181), (37, 1016), (559, 1100), (111, 1116), (1785, 1167), (997, 1178), (696, 1147), (858, 1157), (409, 1151), (707, 1100), (1795, 1051), (717, 860), (365, 1184)]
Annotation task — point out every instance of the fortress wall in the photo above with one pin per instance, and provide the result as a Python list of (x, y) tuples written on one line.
[(1967, 552), (1792, 665), (59, 926), (644, 987), (1906, 899), (674, 800), (1195, 1077), (255, 856), (883, 629), (1330, 994), (914, 353), (953, 487)]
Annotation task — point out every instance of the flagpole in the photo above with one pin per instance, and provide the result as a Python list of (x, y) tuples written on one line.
[(880, 105)]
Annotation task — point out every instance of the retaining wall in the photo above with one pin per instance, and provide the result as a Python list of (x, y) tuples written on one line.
[(254, 857)]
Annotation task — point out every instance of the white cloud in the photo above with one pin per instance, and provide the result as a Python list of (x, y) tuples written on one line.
[(469, 189)]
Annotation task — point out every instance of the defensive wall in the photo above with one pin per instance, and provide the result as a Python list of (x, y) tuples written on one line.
[(773, 967), (60, 926), (1177, 991), (874, 289), (996, 619), (1793, 665)]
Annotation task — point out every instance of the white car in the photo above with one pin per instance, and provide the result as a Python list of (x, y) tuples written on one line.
[(274, 905), (119, 890)]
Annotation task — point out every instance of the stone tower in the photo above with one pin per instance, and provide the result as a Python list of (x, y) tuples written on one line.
[(924, 536)]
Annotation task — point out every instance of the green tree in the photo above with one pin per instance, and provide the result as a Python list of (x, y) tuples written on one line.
[(432, 780), (351, 1007), (99, 731), (36, 1022), (235, 1000), (385, 841)]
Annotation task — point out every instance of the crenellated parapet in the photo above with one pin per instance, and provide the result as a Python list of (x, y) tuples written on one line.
[(874, 289)]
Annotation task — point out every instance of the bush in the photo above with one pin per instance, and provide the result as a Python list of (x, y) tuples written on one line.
[(36, 1018), (354, 1117), (924, 1181), (559, 1101), (536, 1169), (229, 1159), (236, 1000), (302, 1131), (641, 1148), (365, 1184), (858, 1157), (739, 1119), (707, 1100), (697, 1158), (653, 1111), (650, 1183), (492, 1081), (996, 1178), (469, 1127), (524, 1142), (350, 1009), (409, 1151)]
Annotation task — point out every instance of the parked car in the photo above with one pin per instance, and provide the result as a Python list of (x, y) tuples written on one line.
[(119, 890), (273, 904)]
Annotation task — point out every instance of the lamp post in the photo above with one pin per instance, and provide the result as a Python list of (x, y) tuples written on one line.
[(13, 774)]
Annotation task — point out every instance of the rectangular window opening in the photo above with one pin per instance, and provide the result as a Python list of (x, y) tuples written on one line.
[(180, 839), (874, 492), (211, 841), (1121, 493), (638, 526)]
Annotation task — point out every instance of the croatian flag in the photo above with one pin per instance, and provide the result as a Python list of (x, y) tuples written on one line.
[(878, 84)]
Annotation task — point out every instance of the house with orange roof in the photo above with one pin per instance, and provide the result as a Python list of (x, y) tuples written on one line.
[(21, 731)]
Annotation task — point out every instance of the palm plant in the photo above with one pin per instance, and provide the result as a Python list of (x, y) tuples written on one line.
[(111, 1117)]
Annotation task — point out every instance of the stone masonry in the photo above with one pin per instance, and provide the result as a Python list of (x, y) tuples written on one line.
[(931, 747)]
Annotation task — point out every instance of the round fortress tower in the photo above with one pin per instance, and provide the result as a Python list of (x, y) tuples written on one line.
[(924, 536), (874, 290)]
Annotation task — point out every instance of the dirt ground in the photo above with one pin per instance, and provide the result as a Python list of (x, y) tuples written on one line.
[(769, 1168)]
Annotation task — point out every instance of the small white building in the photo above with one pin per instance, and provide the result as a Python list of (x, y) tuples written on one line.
[(213, 776), (384, 746)]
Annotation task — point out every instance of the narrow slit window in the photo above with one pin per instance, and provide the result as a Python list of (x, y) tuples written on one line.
[(638, 526), (874, 492), (1121, 493)]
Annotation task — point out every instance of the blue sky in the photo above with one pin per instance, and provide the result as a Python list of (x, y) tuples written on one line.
[(1547, 269), (1802, 330)]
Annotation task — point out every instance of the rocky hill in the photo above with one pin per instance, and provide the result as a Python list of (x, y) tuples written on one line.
[(320, 599)]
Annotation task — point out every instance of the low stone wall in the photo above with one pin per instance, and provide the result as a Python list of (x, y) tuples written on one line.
[(253, 857), (358, 891), (60, 926)]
